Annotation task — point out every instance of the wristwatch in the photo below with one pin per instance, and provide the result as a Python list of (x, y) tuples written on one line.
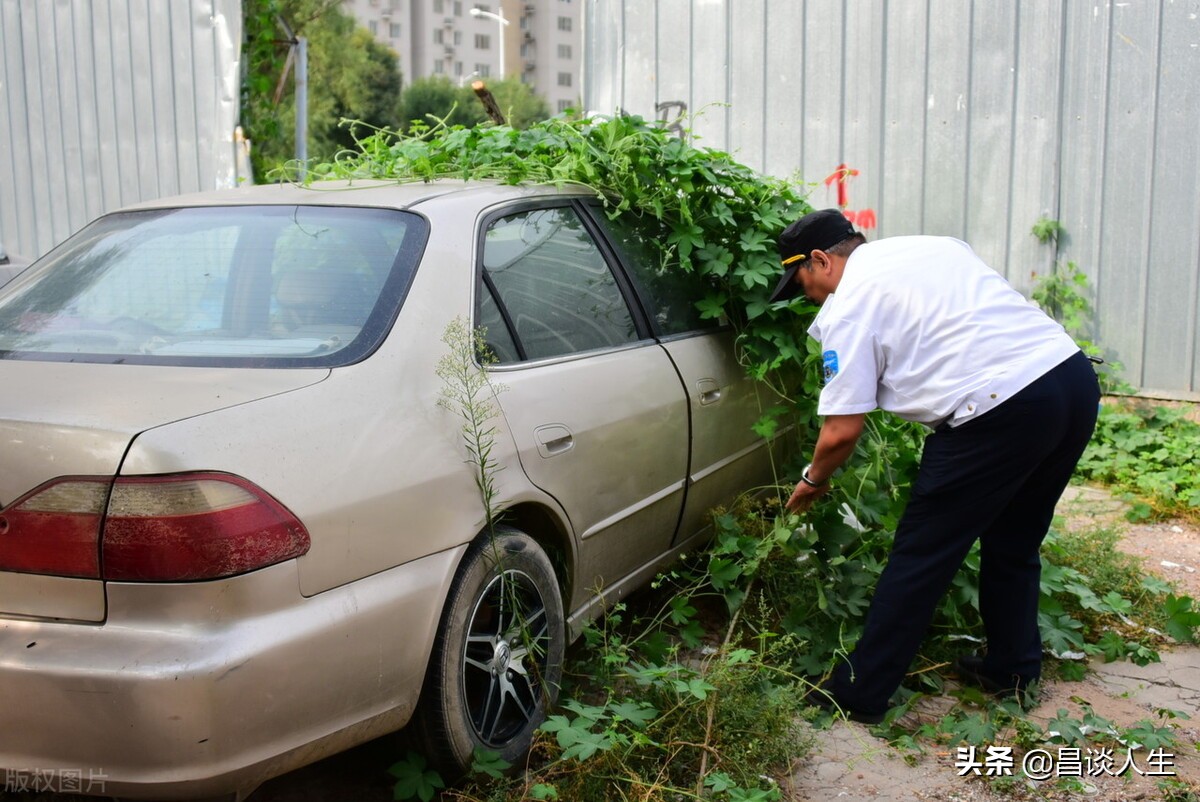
[(804, 477)]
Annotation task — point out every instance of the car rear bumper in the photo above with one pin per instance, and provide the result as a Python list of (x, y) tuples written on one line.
[(205, 688)]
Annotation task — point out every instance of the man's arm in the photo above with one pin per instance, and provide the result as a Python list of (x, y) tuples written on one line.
[(839, 434)]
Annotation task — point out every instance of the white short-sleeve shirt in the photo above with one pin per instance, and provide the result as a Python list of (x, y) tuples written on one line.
[(921, 327)]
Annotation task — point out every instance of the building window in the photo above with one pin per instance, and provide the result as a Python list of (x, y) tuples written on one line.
[(394, 30), (564, 51), (564, 23), (458, 69), (457, 8), (439, 36), (563, 105), (564, 79), (373, 27), (483, 41), (483, 8), (483, 70), (524, 23), (524, 50), (458, 37), (439, 67), (439, 6)]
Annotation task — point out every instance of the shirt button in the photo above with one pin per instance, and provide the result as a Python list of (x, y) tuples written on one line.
[(993, 395), (970, 407)]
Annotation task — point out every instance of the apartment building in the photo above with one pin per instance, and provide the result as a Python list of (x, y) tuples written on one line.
[(537, 41)]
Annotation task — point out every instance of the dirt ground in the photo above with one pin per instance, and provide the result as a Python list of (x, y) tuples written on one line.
[(851, 765)]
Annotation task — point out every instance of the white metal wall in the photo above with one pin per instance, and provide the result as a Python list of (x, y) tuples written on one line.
[(971, 119), (108, 102)]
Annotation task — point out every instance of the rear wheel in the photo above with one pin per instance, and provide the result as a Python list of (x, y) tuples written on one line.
[(497, 663)]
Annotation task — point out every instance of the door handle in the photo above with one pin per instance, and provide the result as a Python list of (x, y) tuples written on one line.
[(710, 391), (553, 439)]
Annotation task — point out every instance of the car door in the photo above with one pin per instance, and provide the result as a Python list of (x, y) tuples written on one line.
[(594, 403), (727, 456)]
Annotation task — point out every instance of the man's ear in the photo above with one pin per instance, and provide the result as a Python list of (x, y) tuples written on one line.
[(820, 260)]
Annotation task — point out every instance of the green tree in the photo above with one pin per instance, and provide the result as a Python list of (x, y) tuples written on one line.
[(522, 107), (350, 76), (439, 97)]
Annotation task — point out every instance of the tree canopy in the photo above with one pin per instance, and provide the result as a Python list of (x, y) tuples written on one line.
[(350, 75), (438, 97)]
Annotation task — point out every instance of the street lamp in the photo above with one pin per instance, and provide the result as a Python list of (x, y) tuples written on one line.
[(478, 12)]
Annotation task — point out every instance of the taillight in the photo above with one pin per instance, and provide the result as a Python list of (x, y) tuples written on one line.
[(155, 529), (54, 529)]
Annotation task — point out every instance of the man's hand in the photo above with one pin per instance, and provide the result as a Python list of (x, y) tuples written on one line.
[(835, 443), (804, 495)]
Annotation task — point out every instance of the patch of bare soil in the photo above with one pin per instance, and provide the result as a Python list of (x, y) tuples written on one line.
[(851, 764)]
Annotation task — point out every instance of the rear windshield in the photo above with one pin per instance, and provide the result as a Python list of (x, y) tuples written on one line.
[(261, 286)]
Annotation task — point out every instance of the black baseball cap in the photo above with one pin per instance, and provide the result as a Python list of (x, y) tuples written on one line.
[(815, 231)]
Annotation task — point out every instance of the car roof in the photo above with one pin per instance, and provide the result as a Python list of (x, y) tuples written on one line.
[(373, 193)]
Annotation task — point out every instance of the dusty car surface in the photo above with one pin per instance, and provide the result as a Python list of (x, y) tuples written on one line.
[(238, 533)]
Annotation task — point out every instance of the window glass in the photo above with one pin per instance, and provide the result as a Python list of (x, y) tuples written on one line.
[(286, 285), (496, 335), (559, 292), (670, 294)]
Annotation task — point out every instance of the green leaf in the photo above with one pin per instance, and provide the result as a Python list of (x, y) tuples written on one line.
[(585, 745), (681, 611), (723, 573), (1182, 620), (739, 657), (692, 634), (1065, 729), (489, 763), (638, 714), (971, 729), (1073, 671), (543, 791), (414, 780), (715, 259), (1147, 735), (755, 240), (695, 686), (685, 237), (719, 781), (766, 426), (713, 306)]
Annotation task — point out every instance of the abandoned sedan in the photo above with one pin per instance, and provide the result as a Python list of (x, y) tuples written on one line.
[(239, 532)]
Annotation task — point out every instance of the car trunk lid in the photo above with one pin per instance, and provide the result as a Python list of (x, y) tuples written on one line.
[(68, 419)]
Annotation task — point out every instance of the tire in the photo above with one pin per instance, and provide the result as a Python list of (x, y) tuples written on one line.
[(497, 662)]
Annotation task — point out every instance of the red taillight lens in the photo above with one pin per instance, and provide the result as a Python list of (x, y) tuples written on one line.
[(55, 529), (156, 528), (195, 526)]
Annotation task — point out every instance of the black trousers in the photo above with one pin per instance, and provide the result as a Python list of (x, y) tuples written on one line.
[(995, 479)]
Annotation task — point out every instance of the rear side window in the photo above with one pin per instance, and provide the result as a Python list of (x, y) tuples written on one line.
[(552, 288), (669, 295), (265, 286)]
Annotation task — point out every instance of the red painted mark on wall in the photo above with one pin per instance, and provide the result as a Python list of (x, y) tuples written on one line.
[(863, 218)]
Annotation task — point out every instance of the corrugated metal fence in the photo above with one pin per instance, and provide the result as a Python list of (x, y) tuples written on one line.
[(972, 119), (107, 102)]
